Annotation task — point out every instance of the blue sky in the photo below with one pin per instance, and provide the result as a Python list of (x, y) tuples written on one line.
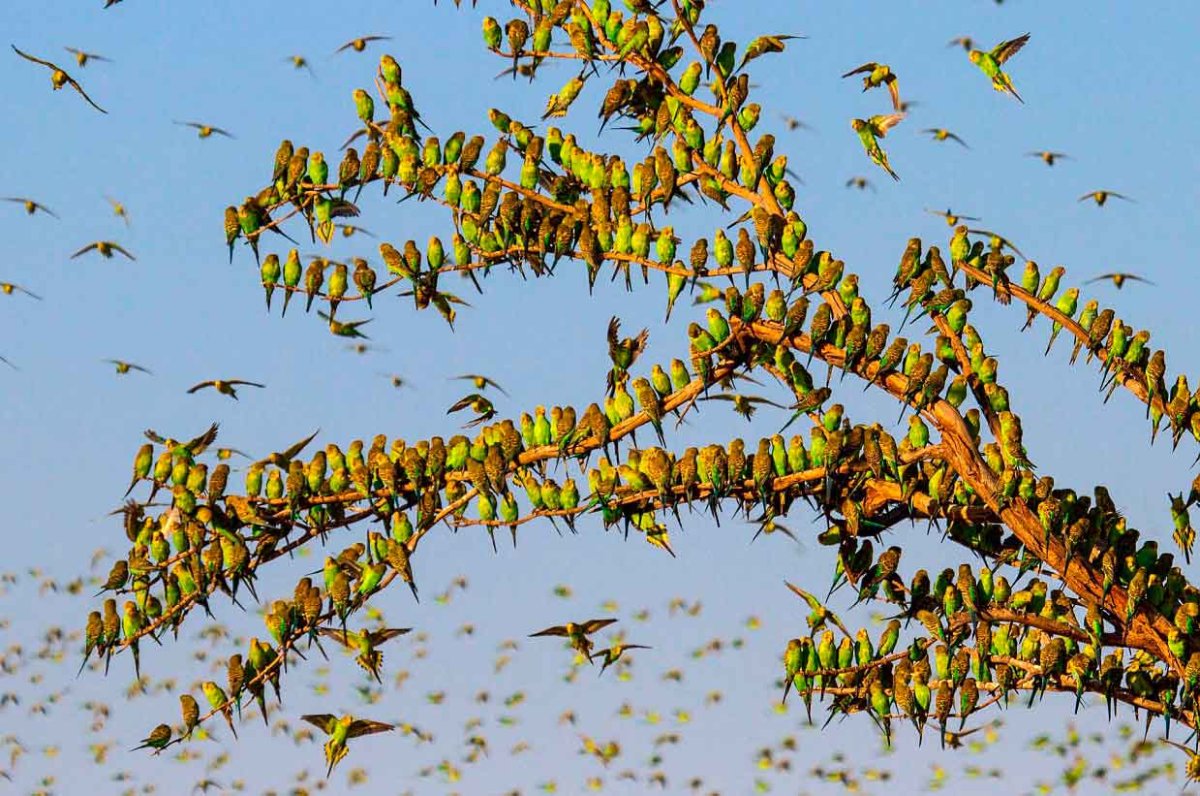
[(1105, 82)]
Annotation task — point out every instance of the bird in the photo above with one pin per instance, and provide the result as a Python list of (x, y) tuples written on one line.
[(744, 405), (224, 386), (6, 361), (861, 183), (1100, 197), (1119, 278), (879, 75), (951, 218), (205, 130), (364, 643), (997, 241), (614, 652), (82, 57), (158, 739), (119, 210), (300, 62), (58, 77), (360, 44), (105, 248), (481, 382), (124, 367), (793, 124), (990, 62), (870, 131), (1048, 157), (481, 406), (577, 633), (30, 205), (396, 379), (8, 288), (340, 731), (942, 134)]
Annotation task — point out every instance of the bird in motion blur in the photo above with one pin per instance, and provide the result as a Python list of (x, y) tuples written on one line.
[(300, 62), (481, 382), (1119, 278), (119, 210), (206, 130), (950, 217), (82, 57), (942, 134), (225, 386), (58, 77), (360, 44), (105, 248), (1048, 157), (30, 205), (124, 367), (577, 633)]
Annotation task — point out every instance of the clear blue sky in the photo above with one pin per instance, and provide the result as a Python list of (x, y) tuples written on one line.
[(1106, 82)]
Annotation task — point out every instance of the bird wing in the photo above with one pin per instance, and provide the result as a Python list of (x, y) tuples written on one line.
[(122, 250), (367, 727), (337, 634), (223, 132), (492, 383), (894, 89), (75, 85), (614, 328), (84, 250), (199, 443), (812, 601), (388, 633), (299, 446), (869, 66), (247, 383), (885, 123), (29, 57), (592, 625), (1119, 196), (201, 386), (345, 46), (954, 137), (555, 630), (464, 402), (324, 721), (139, 367), (1007, 49)]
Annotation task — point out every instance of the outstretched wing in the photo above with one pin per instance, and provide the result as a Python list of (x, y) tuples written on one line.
[(869, 66), (592, 625), (1007, 49), (29, 57), (555, 630), (324, 721), (367, 727), (75, 85)]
